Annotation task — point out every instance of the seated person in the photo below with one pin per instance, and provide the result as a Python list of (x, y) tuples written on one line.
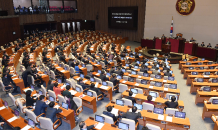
[(8, 84), (77, 68), (130, 97), (84, 86), (202, 44), (143, 69), (192, 40), (168, 42), (209, 45), (149, 99), (57, 89), (156, 72), (171, 104), (216, 47), (165, 67), (114, 80), (98, 91), (83, 126), (72, 105), (108, 113), (89, 75), (132, 115), (51, 112), (167, 73), (50, 85), (119, 71), (29, 100), (66, 92), (40, 105), (112, 70), (103, 76)]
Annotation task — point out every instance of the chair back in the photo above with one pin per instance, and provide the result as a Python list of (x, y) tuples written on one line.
[(61, 99), (12, 99), (122, 88), (43, 90), (31, 115), (125, 78), (72, 70), (171, 111), (152, 75), (69, 82), (81, 88), (102, 64), (2, 85), (52, 74), (110, 84), (108, 119), (127, 102), (138, 81), (98, 80), (46, 123), (89, 67), (78, 102), (52, 93), (153, 127), (152, 83), (148, 106), (130, 122), (73, 83), (20, 105), (140, 91), (140, 73), (165, 77), (94, 94)]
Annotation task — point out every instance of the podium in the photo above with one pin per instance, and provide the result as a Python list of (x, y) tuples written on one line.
[(166, 48)]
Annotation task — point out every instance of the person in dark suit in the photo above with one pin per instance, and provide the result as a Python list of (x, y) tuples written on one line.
[(84, 86), (103, 76), (156, 72), (5, 61), (112, 70), (167, 73), (98, 91), (165, 67), (209, 45), (143, 69), (132, 115), (71, 63), (130, 97), (192, 40), (108, 113), (171, 104), (216, 47), (163, 36), (202, 44), (17, 48), (25, 74), (83, 126), (51, 112), (119, 71), (50, 85), (30, 100), (168, 42), (9, 84), (114, 80), (40, 105), (66, 92)]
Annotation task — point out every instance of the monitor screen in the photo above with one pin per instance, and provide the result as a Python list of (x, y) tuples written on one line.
[(201, 68), (135, 91), (146, 64), (123, 126), (138, 62), (59, 81), (92, 79), (185, 60), (104, 83), (199, 63), (98, 62), (214, 80), (123, 70), (180, 114), (171, 72), (188, 63), (139, 106), (127, 65), (207, 73), (173, 86), (158, 84), (194, 59), (155, 58), (65, 68), (99, 118), (143, 81), (171, 78), (45, 72), (157, 76), (200, 80), (78, 89), (108, 74), (210, 63), (119, 77), (130, 79), (32, 87), (16, 112), (134, 72), (207, 89), (153, 94), (136, 67), (81, 75), (215, 101), (170, 96), (31, 123), (121, 58), (40, 92), (131, 56), (67, 84), (191, 68), (194, 73), (6, 103), (88, 58), (145, 74), (84, 66), (90, 94), (52, 99), (158, 111), (59, 65), (140, 54), (99, 71), (93, 60), (65, 105), (211, 67), (203, 59), (157, 66), (119, 102)]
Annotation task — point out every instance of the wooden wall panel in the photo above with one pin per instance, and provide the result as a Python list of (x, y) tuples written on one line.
[(88, 10)]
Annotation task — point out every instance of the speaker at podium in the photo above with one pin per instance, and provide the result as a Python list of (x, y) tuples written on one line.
[(166, 48)]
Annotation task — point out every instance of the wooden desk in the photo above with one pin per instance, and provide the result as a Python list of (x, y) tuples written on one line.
[(105, 127), (201, 96), (208, 110), (198, 85), (64, 72), (19, 83), (206, 79), (200, 72), (192, 62), (184, 67), (215, 126), (159, 102)]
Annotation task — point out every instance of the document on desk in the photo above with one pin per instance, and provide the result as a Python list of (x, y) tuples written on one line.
[(169, 119), (14, 78), (96, 84), (137, 84), (139, 76), (165, 89), (58, 67), (83, 95), (56, 106), (91, 48), (151, 78), (27, 127), (206, 76), (97, 74), (150, 86), (104, 87), (85, 81), (64, 86), (124, 81), (1, 108), (115, 111), (12, 119), (62, 70), (164, 81), (73, 92), (160, 117), (133, 95), (99, 125)]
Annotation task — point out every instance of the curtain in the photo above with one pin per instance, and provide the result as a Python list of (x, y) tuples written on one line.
[(68, 27), (63, 27), (73, 23), (78, 26)]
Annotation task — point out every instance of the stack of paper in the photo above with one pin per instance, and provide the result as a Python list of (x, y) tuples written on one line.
[(73, 92), (169, 119), (12, 119), (151, 78), (164, 80), (1, 108), (150, 86), (133, 95), (14, 78), (160, 117), (136, 84), (99, 125), (124, 81), (62, 70), (165, 89), (56, 106), (96, 84), (27, 127), (104, 87), (85, 81), (64, 86), (139, 76), (115, 111)]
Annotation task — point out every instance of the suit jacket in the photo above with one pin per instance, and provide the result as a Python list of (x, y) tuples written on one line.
[(50, 87), (155, 72), (83, 85), (51, 113), (89, 127), (168, 43), (132, 115), (165, 68), (110, 115), (66, 92), (112, 71), (29, 101), (114, 81), (6, 81), (143, 70), (96, 90), (171, 104), (119, 72), (103, 77), (132, 99), (167, 74), (40, 107)]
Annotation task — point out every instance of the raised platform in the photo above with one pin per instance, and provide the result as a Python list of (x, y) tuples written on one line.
[(174, 59)]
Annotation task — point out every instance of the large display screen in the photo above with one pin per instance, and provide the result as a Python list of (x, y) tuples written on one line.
[(123, 17)]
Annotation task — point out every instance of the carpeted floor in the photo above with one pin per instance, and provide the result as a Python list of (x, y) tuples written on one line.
[(193, 112)]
